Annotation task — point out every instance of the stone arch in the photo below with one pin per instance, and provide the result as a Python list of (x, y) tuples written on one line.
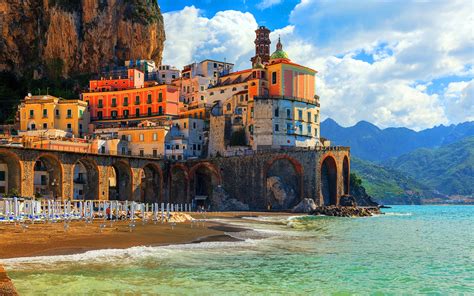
[(10, 173), (345, 174), (120, 181), (283, 177), (179, 184), (48, 176), (151, 184), (85, 174), (204, 179), (329, 181)]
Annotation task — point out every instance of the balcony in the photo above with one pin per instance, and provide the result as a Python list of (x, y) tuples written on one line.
[(148, 101), (125, 104), (135, 116), (137, 102)]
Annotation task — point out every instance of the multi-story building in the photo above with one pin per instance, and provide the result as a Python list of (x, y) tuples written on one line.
[(48, 112), (272, 105), (130, 103), (207, 68), (147, 139), (165, 74), (262, 46), (186, 139)]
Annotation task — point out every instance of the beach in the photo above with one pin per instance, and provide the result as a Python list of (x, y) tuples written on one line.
[(408, 250)]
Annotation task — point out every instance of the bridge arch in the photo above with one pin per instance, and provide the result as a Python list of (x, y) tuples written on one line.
[(179, 184), (345, 174), (120, 181), (283, 177), (329, 180), (204, 178), (151, 183), (48, 176), (10, 173), (85, 179)]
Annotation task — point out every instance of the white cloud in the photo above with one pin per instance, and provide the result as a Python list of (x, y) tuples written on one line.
[(191, 37), (264, 4), (410, 46)]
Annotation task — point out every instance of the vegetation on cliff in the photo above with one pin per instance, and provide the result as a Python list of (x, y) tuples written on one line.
[(449, 169)]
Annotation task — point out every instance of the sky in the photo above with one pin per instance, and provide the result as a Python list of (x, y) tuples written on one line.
[(392, 63)]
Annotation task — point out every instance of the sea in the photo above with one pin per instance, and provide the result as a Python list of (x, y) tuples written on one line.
[(410, 250)]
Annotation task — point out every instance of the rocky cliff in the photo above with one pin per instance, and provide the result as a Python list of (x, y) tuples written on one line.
[(62, 37)]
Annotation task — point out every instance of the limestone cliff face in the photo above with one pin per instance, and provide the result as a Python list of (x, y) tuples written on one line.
[(62, 37)]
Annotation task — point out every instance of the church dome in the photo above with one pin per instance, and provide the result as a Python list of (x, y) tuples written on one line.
[(279, 52)]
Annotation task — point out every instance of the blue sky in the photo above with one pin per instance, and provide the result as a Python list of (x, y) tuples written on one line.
[(393, 63)]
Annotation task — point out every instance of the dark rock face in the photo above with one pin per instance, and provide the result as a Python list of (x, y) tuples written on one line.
[(347, 201), (222, 202), (307, 205), (360, 196), (58, 38), (346, 211)]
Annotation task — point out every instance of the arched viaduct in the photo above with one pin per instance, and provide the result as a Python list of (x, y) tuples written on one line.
[(277, 178)]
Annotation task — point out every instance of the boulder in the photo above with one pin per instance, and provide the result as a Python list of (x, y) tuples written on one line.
[(307, 205), (347, 201)]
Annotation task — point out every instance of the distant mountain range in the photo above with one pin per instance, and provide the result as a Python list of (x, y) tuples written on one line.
[(369, 142), (402, 166)]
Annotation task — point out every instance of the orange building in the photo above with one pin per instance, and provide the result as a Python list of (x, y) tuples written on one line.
[(133, 104), (135, 79)]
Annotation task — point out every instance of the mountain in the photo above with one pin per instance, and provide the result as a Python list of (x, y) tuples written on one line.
[(369, 142), (388, 185), (63, 37), (449, 169)]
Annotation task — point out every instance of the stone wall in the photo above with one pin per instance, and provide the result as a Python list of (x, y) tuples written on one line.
[(279, 178)]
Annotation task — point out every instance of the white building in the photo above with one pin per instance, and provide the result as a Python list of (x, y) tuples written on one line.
[(185, 139)]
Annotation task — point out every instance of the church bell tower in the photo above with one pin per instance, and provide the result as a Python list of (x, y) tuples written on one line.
[(262, 45)]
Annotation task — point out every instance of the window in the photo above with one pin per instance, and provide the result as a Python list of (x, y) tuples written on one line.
[(202, 98), (289, 128), (57, 112), (137, 100), (176, 147), (69, 127), (160, 97), (129, 138), (315, 117), (215, 65), (173, 76), (288, 113), (32, 113), (309, 117), (211, 93), (274, 77), (81, 112), (277, 112), (125, 101), (124, 151), (69, 113), (194, 125), (202, 87), (2, 175), (229, 107), (194, 146), (234, 88), (137, 112), (251, 112), (100, 105), (142, 137), (149, 99), (184, 125), (45, 125), (160, 110), (155, 136), (125, 113), (309, 130), (43, 180), (199, 147), (99, 114), (33, 126), (80, 126), (113, 114), (155, 153), (222, 91), (300, 114), (45, 113), (114, 102), (142, 153), (149, 111), (163, 76), (277, 128)]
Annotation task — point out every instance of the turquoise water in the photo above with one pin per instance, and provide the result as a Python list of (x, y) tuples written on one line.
[(410, 250)]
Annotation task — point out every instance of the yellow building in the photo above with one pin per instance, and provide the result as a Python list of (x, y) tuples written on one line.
[(48, 112), (147, 139)]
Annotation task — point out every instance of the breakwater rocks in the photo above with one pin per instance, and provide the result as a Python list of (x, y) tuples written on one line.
[(346, 211), (6, 285)]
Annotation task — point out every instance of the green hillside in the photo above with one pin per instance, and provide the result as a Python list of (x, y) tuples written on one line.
[(388, 185), (449, 169)]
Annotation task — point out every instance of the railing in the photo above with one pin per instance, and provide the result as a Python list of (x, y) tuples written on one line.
[(127, 117), (295, 99)]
